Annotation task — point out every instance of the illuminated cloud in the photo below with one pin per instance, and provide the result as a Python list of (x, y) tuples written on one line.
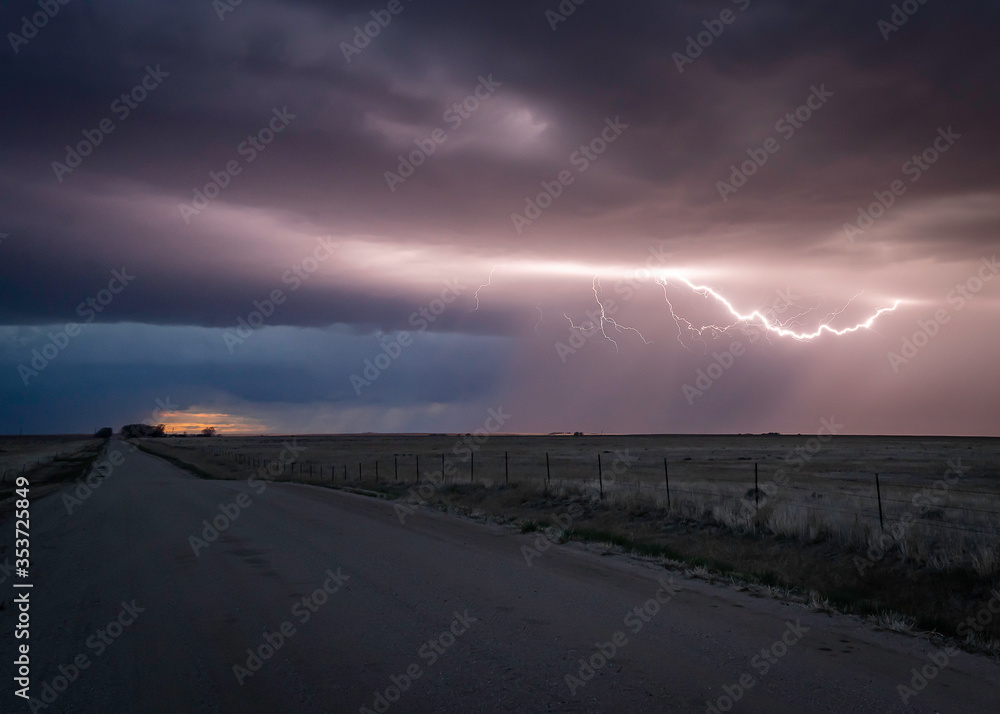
[(392, 251)]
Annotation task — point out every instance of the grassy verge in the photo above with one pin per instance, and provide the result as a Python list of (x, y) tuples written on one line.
[(894, 592), (48, 475)]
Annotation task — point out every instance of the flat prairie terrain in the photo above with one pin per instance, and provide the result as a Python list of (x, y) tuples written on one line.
[(172, 593), (19, 452), (916, 548)]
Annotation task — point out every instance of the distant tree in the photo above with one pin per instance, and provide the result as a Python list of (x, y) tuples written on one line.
[(104, 432), (131, 431), (209, 431)]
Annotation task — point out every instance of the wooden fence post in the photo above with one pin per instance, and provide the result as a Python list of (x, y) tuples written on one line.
[(756, 495), (878, 490), (666, 479)]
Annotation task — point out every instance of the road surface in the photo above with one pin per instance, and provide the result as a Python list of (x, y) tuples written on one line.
[(313, 600)]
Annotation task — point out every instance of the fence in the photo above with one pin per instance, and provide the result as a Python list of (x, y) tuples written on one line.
[(879, 497), (25, 466)]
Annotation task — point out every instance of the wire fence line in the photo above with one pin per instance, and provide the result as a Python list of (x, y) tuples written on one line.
[(28, 465), (536, 468)]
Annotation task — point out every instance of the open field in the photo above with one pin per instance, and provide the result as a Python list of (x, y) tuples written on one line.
[(46, 460), (813, 524), (264, 597), (18, 453)]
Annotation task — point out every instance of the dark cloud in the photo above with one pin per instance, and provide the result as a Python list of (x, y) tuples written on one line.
[(221, 81)]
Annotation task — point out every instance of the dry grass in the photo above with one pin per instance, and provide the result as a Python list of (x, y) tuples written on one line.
[(20, 453), (815, 536), (47, 463)]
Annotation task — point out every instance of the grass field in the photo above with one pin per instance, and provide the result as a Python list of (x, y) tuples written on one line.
[(46, 460), (812, 524), (22, 452)]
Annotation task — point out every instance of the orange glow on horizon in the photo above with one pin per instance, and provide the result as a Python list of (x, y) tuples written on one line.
[(192, 422)]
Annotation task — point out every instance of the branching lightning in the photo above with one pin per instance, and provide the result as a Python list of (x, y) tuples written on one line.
[(764, 318), (777, 327), (609, 320), (484, 285)]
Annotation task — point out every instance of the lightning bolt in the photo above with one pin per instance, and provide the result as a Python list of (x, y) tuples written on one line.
[(605, 319), (484, 285), (775, 326), (763, 317), (662, 282)]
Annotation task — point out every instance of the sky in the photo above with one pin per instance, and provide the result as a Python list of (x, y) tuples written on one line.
[(735, 216)]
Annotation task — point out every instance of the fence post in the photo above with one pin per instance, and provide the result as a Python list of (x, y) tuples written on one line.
[(756, 495), (418, 468), (506, 469), (666, 479), (395, 468), (472, 468), (547, 473), (600, 475), (442, 467), (878, 490), (376, 470)]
